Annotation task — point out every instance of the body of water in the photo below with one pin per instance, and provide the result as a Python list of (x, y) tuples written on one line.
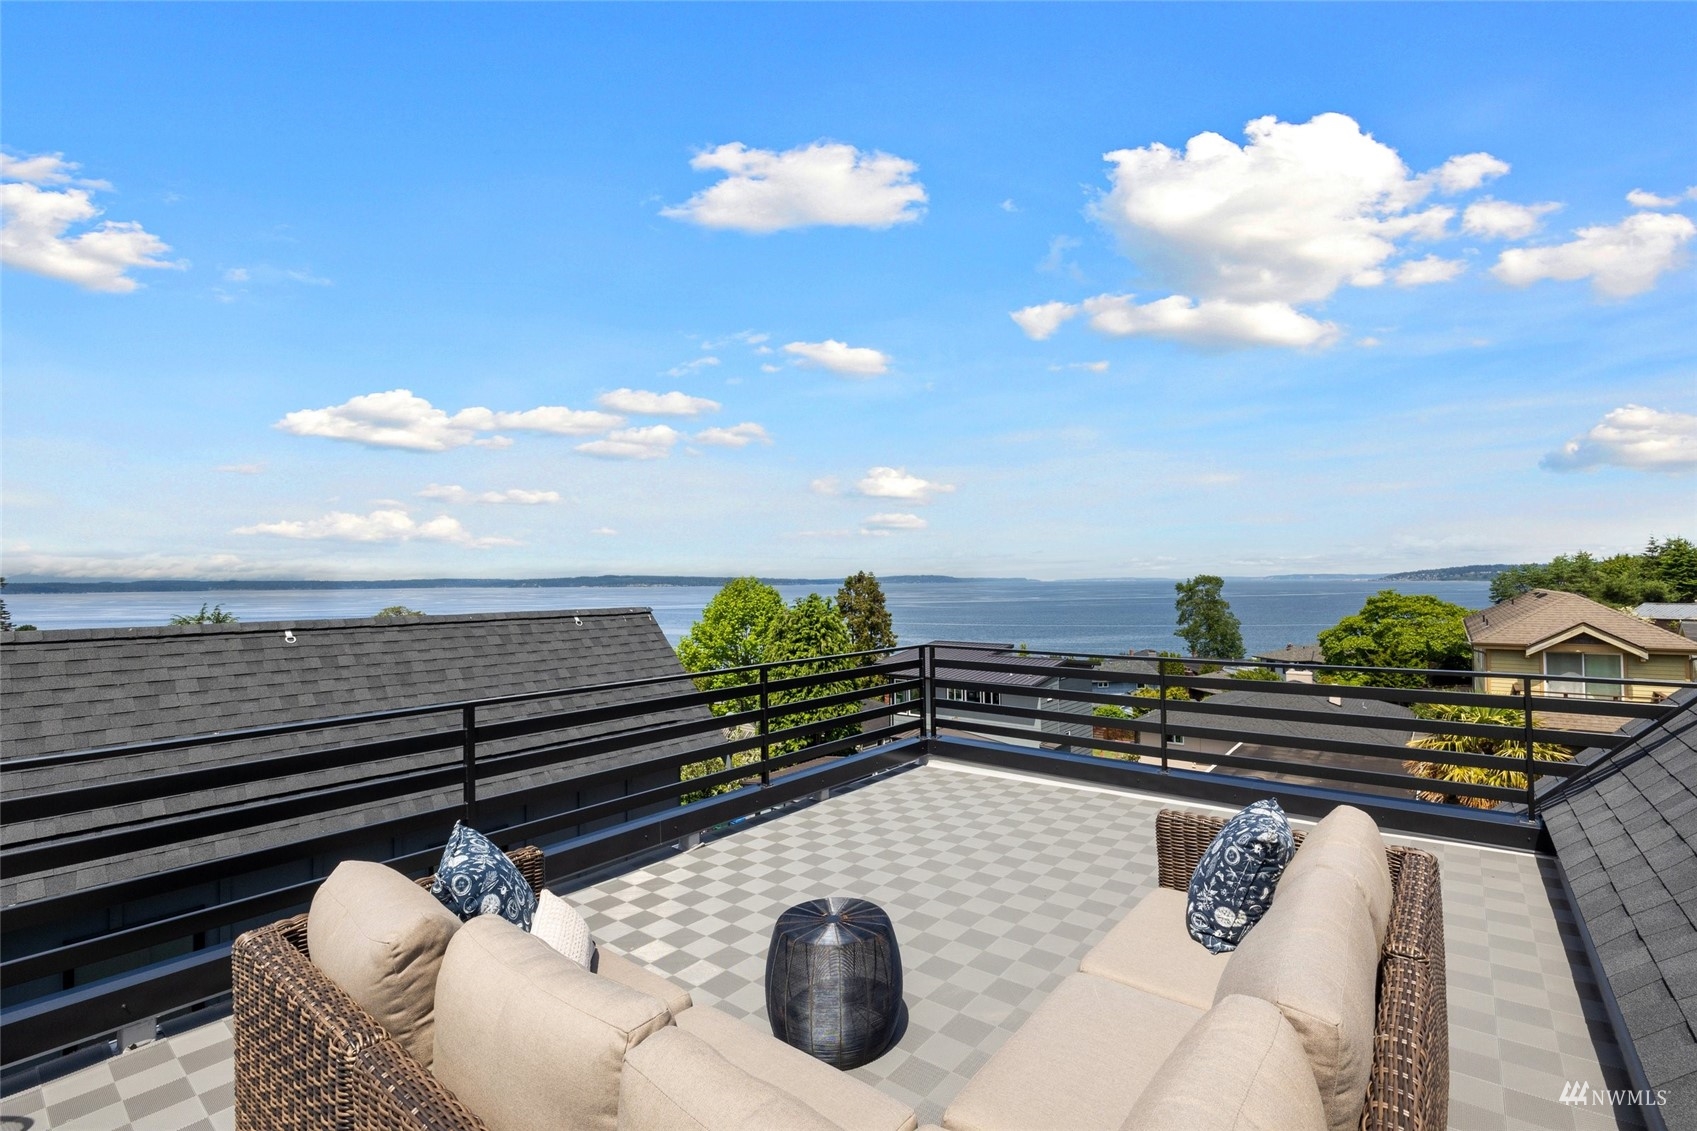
[(1080, 616)]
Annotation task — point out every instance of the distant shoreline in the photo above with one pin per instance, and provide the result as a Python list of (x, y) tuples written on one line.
[(627, 581)]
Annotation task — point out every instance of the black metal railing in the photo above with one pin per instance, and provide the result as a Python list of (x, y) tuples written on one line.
[(595, 775)]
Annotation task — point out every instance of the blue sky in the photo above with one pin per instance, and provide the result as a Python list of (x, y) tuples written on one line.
[(1054, 291)]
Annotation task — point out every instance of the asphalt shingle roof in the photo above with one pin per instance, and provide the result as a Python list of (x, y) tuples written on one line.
[(1626, 835), (1539, 614)]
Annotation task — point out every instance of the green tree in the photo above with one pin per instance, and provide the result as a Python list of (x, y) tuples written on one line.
[(861, 603), (1665, 571), (1400, 630), (216, 615), (398, 611), (734, 631), (1265, 674), (5, 616), (1155, 693), (1513, 752), (1113, 734), (1674, 564), (1205, 621)]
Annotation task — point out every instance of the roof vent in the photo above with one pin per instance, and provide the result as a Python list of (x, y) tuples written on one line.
[(1335, 700)]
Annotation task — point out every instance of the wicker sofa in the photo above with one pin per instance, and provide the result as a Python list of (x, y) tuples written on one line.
[(308, 1057)]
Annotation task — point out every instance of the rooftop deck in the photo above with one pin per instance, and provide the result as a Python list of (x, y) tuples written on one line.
[(997, 883)]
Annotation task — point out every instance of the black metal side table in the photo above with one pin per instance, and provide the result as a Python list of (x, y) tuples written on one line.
[(834, 981)]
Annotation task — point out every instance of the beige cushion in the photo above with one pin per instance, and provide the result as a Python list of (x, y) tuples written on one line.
[(674, 1082), (1241, 1069), (1077, 1064), (558, 924), (1151, 949), (845, 1101), (527, 1038), (611, 964), (1349, 841), (381, 938), (1314, 955)]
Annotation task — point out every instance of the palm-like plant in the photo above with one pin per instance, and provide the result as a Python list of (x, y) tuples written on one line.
[(1511, 751)]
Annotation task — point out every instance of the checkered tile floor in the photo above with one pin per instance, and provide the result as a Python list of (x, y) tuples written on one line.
[(997, 886)]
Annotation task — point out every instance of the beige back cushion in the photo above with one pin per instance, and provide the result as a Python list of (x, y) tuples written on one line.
[(1349, 841), (381, 937), (1315, 955), (675, 1082), (1242, 1068), (527, 1038)]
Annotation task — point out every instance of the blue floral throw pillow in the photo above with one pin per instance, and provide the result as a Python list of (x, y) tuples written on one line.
[(476, 878), (1233, 884)]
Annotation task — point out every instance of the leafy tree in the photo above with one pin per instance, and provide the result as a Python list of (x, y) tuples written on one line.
[(1205, 620), (1400, 630), (1264, 674), (1511, 751), (807, 635), (1674, 564), (1155, 693), (1665, 571), (398, 611), (5, 616), (1113, 734), (733, 631), (216, 615), (861, 603)]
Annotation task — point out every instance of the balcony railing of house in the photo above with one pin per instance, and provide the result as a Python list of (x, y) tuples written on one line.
[(89, 958)]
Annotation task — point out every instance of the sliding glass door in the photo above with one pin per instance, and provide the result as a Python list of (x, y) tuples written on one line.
[(1568, 672)]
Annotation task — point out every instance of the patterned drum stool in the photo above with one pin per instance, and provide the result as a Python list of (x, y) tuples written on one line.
[(834, 981)]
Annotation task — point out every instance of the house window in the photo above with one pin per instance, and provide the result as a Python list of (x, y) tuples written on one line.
[(1568, 672), (960, 696), (1098, 683)]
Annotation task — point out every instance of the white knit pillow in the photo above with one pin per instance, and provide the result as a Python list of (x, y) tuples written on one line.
[(558, 924)]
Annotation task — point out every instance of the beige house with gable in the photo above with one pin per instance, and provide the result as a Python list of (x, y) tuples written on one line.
[(1568, 644)]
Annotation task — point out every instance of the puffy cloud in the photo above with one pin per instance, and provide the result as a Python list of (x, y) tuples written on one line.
[(883, 525), (1620, 259), (641, 403), (1420, 272), (653, 442), (1638, 198), (385, 525), (1042, 320), (826, 485), (825, 183), (736, 436), (896, 483), (1209, 323), (35, 221), (454, 493), (1503, 219), (1632, 436), (840, 357), (1467, 171), (398, 419), (689, 367)]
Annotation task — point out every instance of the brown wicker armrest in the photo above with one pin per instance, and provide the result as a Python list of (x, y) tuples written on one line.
[(394, 1092), (1180, 840)]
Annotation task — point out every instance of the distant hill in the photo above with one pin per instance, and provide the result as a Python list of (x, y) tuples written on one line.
[(1453, 573), (600, 581)]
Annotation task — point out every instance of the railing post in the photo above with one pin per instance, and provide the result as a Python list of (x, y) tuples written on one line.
[(765, 727), (928, 692), (1531, 780), (468, 762), (1161, 687)]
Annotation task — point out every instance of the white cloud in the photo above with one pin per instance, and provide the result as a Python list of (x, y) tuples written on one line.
[(1042, 320), (605, 532), (240, 468), (1209, 323), (1467, 171), (1087, 366), (454, 493), (1420, 272), (1369, 342), (1056, 257), (398, 419), (896, 483), (236, 275), (35, 222), (1620, 259), (840, 357), (826, 485), (1638, 198), (689, 367), (387, 525), (22, 560), (884, 524), (639, 402), (1009, 206), (1503, 219), (771, 368), (1632, 436), (824, 183), (736, 436), (653, 442)]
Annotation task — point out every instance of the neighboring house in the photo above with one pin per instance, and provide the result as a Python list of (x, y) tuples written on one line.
[(962, 711), (1680, 617), (1294, 654), (1566, 642)]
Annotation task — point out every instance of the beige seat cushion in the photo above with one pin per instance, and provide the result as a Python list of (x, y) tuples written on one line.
[(1150, 949), (674, 1082), (846, 1102), (381, 938), (1349, 841), (527, 1038), (1241, 1069), (1078, 1063), (611, 964), (1315, 956)]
